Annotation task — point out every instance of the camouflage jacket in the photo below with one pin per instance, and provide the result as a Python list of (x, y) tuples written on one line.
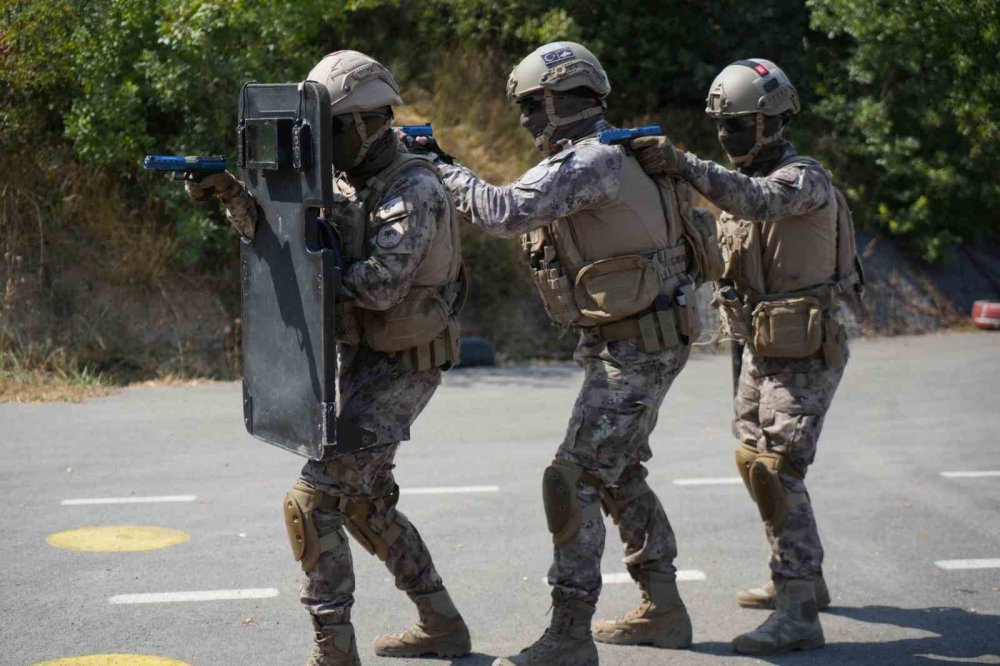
[(401, 229), (580, 176), (795, 189)]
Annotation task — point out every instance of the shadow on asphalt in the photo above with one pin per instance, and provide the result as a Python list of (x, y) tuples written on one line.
[(473, 659), (959, 636)]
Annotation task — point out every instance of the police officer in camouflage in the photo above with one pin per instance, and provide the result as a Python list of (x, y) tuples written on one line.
[(791, 261), (399, 233), (603, 243)]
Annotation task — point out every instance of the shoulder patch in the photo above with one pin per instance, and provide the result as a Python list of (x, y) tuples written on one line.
[(790, 175), (544, 168), (391, 209), (390, 235)]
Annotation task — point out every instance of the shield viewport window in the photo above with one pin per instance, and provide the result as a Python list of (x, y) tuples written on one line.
[(263, 145)]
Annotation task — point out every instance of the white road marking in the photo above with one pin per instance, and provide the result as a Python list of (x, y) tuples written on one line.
[(130, 500), (448, 490), (621, 578), (970, 475), (719, 481), (203, 595), (968, 564)]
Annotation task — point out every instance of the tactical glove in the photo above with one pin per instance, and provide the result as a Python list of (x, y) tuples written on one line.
[(656, 155), (241, 209), (426, 145), (223, 185)]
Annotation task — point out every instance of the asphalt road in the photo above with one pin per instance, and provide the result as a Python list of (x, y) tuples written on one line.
[(908, 410)]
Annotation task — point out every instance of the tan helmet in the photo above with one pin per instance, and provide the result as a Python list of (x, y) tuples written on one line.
[(558, 66), (357, 83), (752, 87)]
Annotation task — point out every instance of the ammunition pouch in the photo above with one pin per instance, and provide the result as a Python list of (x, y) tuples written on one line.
[(788, 328), (299, 504), (359, 514), (664, 326), (736, 315), (562, 505)]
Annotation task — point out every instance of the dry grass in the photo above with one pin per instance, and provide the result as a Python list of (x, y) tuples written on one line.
[(31, 373)]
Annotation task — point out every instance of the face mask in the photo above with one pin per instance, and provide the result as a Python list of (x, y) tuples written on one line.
[(346, 142), (738, 143)]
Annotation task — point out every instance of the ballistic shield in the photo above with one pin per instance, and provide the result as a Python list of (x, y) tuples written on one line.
[(290, 273)]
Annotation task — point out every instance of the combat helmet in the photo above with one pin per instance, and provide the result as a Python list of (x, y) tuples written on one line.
[(558, 67), (752, 87), (357, 83)]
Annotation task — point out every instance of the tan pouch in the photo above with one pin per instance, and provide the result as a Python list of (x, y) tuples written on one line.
[(790, 328), (744, 266), (735, 315), (612, 289), (700, 232), (556, 291), (414, 322)]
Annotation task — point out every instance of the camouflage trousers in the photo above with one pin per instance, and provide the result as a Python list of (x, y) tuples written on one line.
[(780, 406), (608, 436), (378, 393)]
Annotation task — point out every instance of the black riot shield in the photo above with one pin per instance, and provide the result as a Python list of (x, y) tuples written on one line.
[(290, 272)]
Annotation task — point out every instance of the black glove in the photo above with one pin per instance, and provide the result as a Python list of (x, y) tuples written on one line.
[(427, 145)]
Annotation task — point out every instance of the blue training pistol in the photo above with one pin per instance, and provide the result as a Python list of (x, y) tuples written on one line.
[(185, 167), (414, 131), (616, 136)]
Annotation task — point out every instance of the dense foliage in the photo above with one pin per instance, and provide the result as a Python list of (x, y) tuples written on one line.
[(901, 98)]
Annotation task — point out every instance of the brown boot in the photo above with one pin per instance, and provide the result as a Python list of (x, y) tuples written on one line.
[(763, 596), (660, 619), (440, 631), (334, 646), (794, 625), (567, 641)]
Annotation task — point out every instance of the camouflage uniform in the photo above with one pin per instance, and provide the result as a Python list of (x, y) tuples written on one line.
[(377, 392), (780, 403), (623, 387)]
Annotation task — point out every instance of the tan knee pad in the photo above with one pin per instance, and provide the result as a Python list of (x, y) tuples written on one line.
[(359, 515), (767, 489), (300, 503), (745, 455), (559, 497)]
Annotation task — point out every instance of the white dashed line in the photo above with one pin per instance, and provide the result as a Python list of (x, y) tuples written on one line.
[(968, 564), (719, 481), (448, 490), (203, 595), (969, 475), (622, 578), (130, 500)]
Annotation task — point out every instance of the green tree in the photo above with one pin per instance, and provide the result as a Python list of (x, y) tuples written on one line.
[(911, 90)]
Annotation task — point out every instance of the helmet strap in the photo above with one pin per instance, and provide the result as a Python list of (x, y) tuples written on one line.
[(366, 139), (761, 141), (543, 141)]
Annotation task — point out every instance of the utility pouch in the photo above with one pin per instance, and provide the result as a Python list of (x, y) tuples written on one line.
[(556, 291), (348, 324), (789, 328), (612, 289), (735, 314), (834, 337), (658, 330), (744, 266), (350, 219), (701, 235), (414, 322), (688, 322)]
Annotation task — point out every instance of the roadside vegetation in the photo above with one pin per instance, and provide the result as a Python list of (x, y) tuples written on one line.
[(110, 275)]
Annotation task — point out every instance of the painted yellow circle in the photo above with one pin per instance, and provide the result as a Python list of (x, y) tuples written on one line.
[(118, 539), (113, 660)]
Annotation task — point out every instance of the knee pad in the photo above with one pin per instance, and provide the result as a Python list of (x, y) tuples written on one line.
[(300, 503), (559, 497), (360, 514), (767, 489), (745, 455)]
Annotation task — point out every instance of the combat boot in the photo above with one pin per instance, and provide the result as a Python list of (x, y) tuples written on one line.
[(335, 646), (567, 641), (439, 631), (660, 619), (794, 625), (763, 596)]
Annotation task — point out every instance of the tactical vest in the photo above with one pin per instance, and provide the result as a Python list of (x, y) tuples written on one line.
[(423, 329), (789, 272), (621, 270)]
